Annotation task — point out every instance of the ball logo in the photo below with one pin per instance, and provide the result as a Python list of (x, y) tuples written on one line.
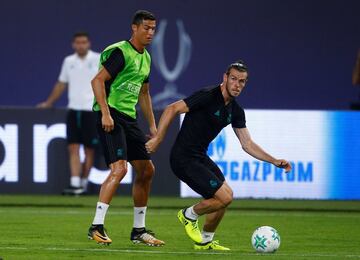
[(259, 242), (265, 239)]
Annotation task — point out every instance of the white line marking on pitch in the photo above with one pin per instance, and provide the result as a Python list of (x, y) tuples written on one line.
[(116, 250), (169, 213), (173, 252)]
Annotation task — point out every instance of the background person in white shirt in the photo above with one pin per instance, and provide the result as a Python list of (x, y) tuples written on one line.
[(76, 73)]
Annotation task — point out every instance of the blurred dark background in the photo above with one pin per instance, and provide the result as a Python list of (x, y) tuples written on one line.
[(300, 53)]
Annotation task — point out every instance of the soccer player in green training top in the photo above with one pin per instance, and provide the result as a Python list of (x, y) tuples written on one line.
[(122, 82)]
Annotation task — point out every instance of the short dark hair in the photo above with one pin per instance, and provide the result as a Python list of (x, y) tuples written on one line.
[(81, 34), (141, 15), (239, 65)]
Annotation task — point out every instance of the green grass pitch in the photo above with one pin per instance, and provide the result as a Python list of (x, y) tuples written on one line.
[(54, 227)]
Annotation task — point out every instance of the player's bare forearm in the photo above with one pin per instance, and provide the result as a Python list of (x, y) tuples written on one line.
[(146, 106), (98, 87), (256, 151), (165, 120), (55, 94), (168, 115)]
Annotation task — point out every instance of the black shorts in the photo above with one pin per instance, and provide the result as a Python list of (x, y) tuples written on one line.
[(200, 173), (81, 128), (125, 142)]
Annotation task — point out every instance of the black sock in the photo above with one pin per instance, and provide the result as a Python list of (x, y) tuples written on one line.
[(139, 230)]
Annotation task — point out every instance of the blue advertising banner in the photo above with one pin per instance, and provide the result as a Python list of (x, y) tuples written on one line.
[(323, 148)]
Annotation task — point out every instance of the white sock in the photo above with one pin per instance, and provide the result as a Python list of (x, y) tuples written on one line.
[(84, 183), (101, 209), (207, 236), (190, 213), (139, 217), (75, 181)]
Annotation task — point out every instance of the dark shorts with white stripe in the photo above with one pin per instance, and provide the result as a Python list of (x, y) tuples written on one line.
[(125, 142)]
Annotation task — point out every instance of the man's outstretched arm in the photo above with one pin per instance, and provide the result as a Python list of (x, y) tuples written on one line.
[(256, 151), (166, 118), (98, 86), (147, 108), (55, 94)]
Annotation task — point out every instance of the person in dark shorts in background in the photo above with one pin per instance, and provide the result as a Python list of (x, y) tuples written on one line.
[(76, 74), (122, 82), (208, 111)]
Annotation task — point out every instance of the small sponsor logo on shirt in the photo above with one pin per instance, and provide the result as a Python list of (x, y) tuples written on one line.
[(213, 183), (130, 88), (119, 152)]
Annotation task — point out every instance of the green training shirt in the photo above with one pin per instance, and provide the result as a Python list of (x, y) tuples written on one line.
[(124, 91)]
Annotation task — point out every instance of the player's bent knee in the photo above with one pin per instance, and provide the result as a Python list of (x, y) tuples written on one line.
[(149, 171), (118, 172), (226, 197)]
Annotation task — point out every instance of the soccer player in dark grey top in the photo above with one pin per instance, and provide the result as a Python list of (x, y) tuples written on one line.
[(208, 111)]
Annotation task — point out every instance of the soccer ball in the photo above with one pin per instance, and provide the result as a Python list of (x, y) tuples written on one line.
[(265, 239)]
